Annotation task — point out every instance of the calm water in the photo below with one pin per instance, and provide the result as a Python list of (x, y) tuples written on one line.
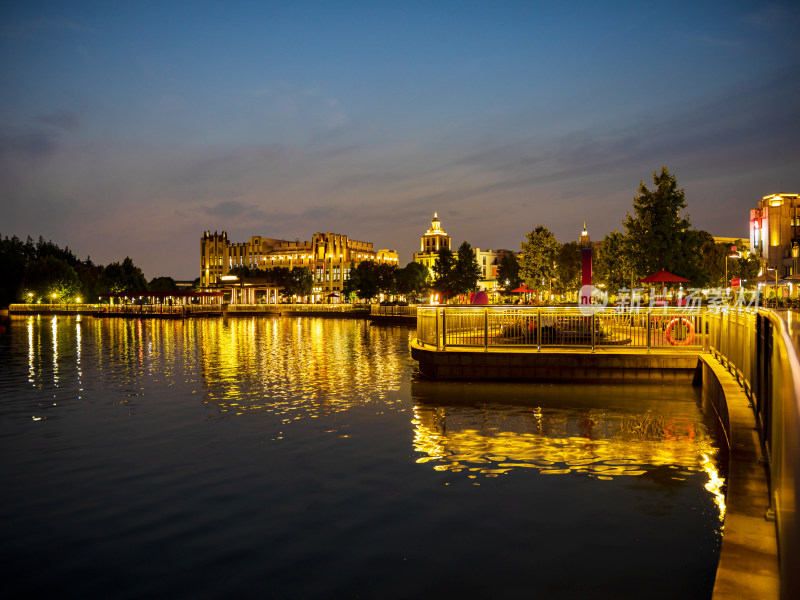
[(301, 458)]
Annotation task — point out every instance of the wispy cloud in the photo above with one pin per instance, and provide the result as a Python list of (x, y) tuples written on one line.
[(33, 28), (61, 119)]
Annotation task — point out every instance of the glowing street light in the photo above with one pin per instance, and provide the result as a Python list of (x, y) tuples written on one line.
[(733, 254)]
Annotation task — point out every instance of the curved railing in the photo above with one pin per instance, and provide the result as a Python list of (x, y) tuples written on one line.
[(497, 327), (757, 349)]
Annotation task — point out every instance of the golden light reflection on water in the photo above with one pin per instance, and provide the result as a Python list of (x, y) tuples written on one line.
[(54, 329), (298, 368), (491, 441)]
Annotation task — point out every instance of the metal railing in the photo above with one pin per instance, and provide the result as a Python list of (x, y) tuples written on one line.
[(757, 349), (393, 311), (60, 308), (254, 308), (496, 327), (322, 308)]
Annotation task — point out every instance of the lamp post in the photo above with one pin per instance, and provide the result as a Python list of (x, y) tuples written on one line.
[(776, 283), (733, 254), (795, 254)]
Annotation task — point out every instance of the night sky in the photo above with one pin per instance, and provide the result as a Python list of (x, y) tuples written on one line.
[(130, 128)]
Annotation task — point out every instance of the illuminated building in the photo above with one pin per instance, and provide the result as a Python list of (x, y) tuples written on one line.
[(328, 256), (489, 261), (434, 240), (775, 232)]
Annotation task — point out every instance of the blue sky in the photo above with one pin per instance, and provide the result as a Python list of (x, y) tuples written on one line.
[(129, 128)]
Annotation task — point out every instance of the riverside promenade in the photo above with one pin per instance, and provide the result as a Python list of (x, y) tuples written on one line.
[(397, 315), (745, 361)]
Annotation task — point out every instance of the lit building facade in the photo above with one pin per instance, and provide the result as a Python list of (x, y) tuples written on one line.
[(775, 233), (432, 241), (489, 261), (328, 256)]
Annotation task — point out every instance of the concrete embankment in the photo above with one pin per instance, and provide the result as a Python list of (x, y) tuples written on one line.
[(604, 365), (748, 565)]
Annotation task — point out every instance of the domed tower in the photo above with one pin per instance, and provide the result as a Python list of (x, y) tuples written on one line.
[(431, 242), (435, 238)]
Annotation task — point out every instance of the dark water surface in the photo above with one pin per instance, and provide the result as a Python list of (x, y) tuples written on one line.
[(301, 458)]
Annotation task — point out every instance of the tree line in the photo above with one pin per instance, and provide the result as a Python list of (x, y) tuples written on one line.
[(44, 272), (365, 280)]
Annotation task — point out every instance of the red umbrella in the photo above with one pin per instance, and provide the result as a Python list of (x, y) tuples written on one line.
[(663, 277), (480, 298), (523, 290)]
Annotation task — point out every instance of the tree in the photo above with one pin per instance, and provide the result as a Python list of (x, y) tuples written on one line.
[(385, 273), (443, 272), (125, 277), (299, 282), (466, 272), (89, 276), (539, 252), (508, 272), (612, 267), (51, 279), (162, 284), (412, 280), (746, 266), (713, 259), (363, 281), (569, 267), (14, 258), (657, 236), (245, 271)]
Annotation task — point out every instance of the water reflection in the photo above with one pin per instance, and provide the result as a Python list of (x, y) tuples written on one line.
[(187, 409), (602, 432), (294, 368), (54, 330), (297, 368)]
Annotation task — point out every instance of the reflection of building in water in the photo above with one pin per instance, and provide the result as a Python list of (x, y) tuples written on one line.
[(296, 368), (602, 444)]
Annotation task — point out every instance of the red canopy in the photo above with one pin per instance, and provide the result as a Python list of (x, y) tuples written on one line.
[(663, 277), (523, 290)]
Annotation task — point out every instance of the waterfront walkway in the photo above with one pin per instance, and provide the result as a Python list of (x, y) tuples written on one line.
[(745, 360)]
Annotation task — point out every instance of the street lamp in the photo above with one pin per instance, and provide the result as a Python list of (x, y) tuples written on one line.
[(795, 254), (733, 254), (776, 282)]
